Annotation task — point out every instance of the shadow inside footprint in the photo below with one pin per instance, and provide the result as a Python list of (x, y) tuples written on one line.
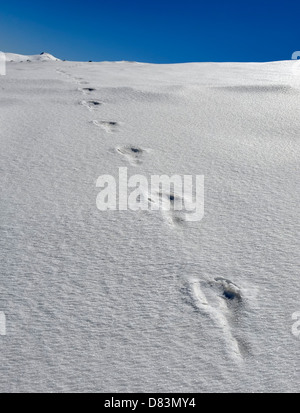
[(130, 150), (94, 103), (229, 295), (230, 291), (104, 123)]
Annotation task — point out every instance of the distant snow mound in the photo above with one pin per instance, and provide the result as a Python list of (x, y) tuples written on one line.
[(43, 57)]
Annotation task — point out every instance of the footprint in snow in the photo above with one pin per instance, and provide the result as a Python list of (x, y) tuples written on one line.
[(86, 90), (222, 301), (109, 127), (91, 104), (132, 153), (173, 207), (80, 81)]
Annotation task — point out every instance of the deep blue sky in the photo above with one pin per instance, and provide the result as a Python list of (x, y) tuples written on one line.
[(159, 31)]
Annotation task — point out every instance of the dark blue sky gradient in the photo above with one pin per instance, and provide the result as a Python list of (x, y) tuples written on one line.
[(157, 31)]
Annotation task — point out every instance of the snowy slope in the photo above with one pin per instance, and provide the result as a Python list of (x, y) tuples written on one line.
[(136, 301)]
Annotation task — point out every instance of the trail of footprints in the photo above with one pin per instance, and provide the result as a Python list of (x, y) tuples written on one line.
[(134, 155), (220, 299)]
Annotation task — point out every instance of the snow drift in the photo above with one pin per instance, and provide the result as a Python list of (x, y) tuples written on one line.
[(18, 58)]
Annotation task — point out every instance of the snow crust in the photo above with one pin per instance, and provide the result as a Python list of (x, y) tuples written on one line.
[(140, 301)]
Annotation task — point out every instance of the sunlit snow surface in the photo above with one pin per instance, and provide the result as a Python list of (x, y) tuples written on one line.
[(139, 301)]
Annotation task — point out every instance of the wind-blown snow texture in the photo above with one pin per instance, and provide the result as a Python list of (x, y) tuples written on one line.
[(138, 301)]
